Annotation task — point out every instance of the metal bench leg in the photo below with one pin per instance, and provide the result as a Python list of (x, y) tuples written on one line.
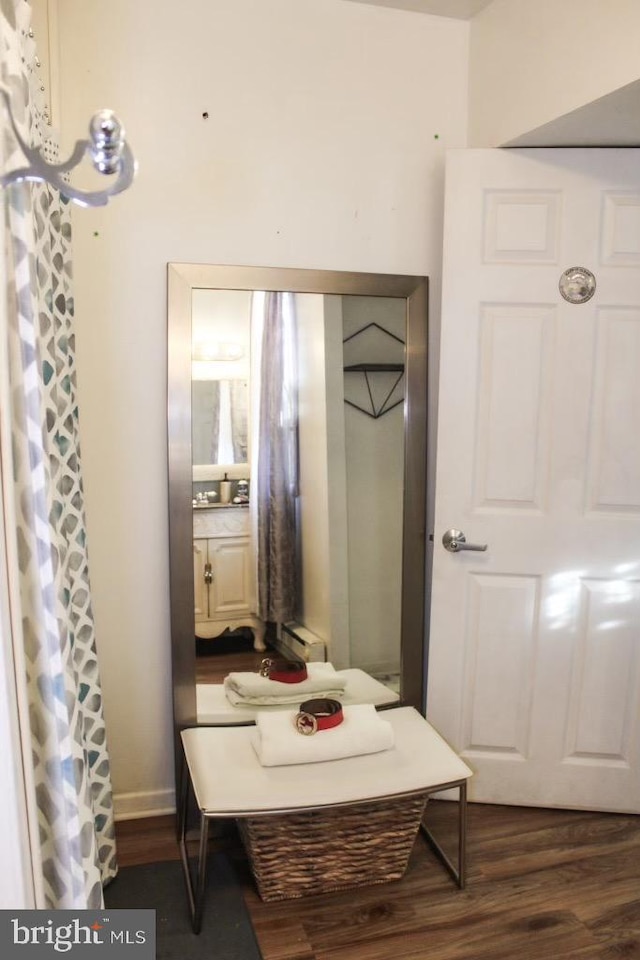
[(202, 874), (183, 802), (458, 873), (196, 898)]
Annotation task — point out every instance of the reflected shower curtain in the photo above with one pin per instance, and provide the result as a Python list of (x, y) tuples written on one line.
[(277, 463), (44, 491), (205, 421), (239, 424), (219, 421), (232, 415)]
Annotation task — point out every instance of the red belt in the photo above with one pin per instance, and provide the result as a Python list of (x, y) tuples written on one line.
[(319, 714), (286, 671)]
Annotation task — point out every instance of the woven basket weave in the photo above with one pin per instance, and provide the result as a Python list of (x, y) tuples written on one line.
[(296, 855)]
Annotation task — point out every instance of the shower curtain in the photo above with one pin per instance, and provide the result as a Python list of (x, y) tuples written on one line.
[(42, 485), (277, 460), (219, 421)]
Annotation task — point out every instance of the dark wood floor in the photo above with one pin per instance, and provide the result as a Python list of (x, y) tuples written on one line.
[(542, 885), (214, 668)]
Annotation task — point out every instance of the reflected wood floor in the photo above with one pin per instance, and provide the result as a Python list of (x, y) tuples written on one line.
[(542, 885), (215, 667)]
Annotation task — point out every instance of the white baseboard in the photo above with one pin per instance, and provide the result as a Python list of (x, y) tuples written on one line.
[(296, 639), (148, 803)]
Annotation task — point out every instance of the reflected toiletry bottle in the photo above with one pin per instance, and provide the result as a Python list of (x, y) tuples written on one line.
[(225, 490)]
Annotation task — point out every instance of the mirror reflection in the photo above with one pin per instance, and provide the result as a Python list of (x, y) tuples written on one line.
[(220, 365), (219, 429), (333, 382), (304, 394)]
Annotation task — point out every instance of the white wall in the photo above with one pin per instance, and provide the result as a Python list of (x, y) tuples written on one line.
[(324, 148), (531, 62), (323, 485), (375, 488), (340, 652), (322, 502), (313, 506)]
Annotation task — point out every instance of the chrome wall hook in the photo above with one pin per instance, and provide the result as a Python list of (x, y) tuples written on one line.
[(107, 148)]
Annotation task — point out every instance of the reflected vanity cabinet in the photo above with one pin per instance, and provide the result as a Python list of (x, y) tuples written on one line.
[(224, 575)]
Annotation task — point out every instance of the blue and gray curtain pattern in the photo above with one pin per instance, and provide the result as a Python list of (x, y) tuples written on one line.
[(67, 731)]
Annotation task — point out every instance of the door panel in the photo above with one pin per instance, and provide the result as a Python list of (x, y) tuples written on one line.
[(534, 662), (201, 590), (230, 591)]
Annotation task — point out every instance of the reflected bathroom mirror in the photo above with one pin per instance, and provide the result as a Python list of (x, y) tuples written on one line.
[(219, 430), (220, 350), (359, 370)]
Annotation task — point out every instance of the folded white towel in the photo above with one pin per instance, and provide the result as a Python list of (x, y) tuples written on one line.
[(282, 701), (277, 742), (323, 680)]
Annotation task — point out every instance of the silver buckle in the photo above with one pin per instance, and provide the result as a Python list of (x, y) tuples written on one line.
[(265, 666), (306, 724)]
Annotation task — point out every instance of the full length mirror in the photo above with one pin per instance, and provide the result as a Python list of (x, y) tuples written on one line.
[(351, 367)]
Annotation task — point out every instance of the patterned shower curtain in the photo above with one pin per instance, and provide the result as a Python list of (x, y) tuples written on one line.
[(277, 463), (66, 724)]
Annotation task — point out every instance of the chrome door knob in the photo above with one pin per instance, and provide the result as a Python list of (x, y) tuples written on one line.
[(455, 540)]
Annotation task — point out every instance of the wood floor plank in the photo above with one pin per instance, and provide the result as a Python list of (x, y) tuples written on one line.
[(493, 821), (621, 918), (283, 939), (543, 885), (150, 840), (214, 668), (555, 846), (523, 899), (485, 938)]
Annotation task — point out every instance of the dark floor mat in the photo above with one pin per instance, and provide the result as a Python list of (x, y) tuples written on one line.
[(227, 933)]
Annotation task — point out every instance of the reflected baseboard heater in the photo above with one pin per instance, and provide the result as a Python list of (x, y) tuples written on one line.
[(296, 639)]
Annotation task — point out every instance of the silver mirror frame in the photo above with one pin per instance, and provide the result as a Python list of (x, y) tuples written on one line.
[(182, 279)]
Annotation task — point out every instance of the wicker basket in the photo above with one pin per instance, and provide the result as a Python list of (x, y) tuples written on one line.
[(296, 855)]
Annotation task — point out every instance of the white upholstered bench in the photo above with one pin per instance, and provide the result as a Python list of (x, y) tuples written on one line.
[(228, 781)]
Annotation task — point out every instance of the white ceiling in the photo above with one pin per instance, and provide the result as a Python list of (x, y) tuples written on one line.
[(458, 9)]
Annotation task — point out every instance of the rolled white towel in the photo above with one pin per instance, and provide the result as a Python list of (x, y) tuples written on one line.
[(323, 680), (277, 742)]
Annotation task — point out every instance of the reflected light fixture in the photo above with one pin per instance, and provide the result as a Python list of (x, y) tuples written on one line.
[(217, 350)]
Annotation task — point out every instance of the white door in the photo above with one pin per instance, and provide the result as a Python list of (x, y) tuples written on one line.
[(534, 663)]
